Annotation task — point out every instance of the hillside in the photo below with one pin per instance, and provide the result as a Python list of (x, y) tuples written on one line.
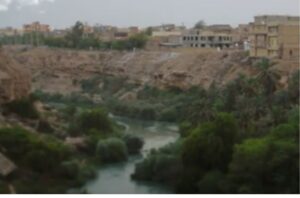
[(59, 70), (15, 80)]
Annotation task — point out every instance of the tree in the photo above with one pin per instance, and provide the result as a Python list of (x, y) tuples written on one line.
[(293, 89), (92, 120), (76, 34), (267, 76), (149, 31), (266, 165), (111, 150), (210, 145)]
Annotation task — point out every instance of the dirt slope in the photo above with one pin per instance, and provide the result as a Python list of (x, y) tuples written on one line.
[(15, 81), (59, 70)]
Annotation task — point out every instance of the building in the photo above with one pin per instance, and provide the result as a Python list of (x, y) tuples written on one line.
[(36, 27), (59, 33), (275, 36), (9, 31), (241, 36), (125, 33), (220, 28), (105, 32), (206, 38)]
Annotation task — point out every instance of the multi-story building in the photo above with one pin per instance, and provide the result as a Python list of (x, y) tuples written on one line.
[(206, 38), (9, 31), (275, 36), (125, 33), (36, 27)]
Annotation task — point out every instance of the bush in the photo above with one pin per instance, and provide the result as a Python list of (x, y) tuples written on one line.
[(269, 164), (44, 127), (23, 107), (162, 166), (210, 145), (111, 150), (69, 169), (92, 120), (31, 151), (213, 182), (134, 144)]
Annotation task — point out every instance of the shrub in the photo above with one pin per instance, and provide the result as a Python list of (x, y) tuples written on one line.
[(111, 150), (162, 166), (185, 129), (211, 144), (23, 107), (32, 151), (267, 165), (96, 120), (44, 126), (213, 182), (134, 144), (69, 169)]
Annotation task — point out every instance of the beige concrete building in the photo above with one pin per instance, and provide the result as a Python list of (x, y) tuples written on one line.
[(36, 27), (206, 38), (275, 36)]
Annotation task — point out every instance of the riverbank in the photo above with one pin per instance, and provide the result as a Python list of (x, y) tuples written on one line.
[(116, 178)]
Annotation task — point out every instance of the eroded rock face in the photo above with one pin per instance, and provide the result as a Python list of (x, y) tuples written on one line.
[(61, 70), (15, 81)]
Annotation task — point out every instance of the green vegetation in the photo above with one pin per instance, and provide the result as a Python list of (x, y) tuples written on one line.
[(41, 160), (240, 138), (23, 107), (91, 120), (133, 143), (243, 138), (77, 39), (111, 150), (44, 160)]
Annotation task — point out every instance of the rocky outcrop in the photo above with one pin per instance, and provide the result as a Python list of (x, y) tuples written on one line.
[(60, 70), (15, 81)]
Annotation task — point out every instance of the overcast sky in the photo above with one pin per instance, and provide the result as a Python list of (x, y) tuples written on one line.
[(63, 13)]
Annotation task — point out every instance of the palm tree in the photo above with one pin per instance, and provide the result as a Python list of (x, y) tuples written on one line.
[(267, 76)]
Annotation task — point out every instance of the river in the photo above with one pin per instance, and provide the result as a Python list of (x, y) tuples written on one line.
[(115, 178)]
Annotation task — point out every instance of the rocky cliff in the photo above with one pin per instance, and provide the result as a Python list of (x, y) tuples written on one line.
[(59, 70), (15, 81)]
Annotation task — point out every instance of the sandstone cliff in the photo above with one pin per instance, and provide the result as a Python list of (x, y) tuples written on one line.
[(59, 70)]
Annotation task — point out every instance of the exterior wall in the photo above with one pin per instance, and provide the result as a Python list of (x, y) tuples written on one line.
[(275, 36), (36, 27), (290, 41), (166, 33), (207, 39)]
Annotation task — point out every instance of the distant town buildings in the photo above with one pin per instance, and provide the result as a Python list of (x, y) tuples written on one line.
[(125, 33), (241, 36), (268, 36), (36, 27), (9, 31), (275, 36), (215, 36)]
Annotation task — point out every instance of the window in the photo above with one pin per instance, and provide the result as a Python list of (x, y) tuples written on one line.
[(184, 38), (196, 45)]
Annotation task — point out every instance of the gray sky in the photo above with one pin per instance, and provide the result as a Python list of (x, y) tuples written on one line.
[(63, 13)]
